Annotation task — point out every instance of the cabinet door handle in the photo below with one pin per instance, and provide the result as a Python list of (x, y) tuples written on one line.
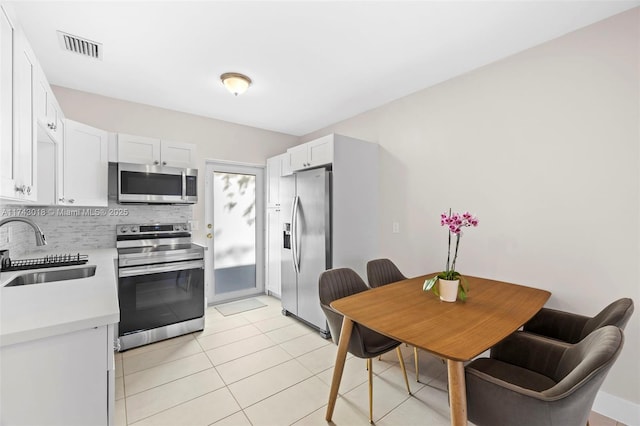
[(71, 200), (156, 162), (28, 189), (164, 163), (61, 199)]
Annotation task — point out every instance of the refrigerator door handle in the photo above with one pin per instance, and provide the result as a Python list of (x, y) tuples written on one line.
[(294, 233)]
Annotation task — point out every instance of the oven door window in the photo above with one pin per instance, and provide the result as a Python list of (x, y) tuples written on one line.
[(159, 299)]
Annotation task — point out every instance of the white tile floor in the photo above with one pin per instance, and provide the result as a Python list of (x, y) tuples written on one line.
[(262, 368)]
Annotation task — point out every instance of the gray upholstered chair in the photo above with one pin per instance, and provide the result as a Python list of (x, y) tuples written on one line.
[(572, 328), (382, 272), (364, 343), (529, 380)]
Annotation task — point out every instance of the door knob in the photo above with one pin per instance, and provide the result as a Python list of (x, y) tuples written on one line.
[(209, 235)]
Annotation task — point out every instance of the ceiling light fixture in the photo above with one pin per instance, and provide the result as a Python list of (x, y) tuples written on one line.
[(235, 82)]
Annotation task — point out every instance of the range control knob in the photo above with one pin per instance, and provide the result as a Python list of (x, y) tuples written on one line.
[(124, 229), (134, 229)]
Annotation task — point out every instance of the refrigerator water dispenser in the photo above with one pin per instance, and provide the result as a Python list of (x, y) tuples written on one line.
[(286, 236)]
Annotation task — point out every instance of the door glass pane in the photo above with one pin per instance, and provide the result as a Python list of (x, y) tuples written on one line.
[(234, 236)]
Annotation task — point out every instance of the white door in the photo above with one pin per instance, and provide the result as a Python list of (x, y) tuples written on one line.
[(234, 205)]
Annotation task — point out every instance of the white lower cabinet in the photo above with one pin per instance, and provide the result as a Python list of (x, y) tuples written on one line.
[(60, 380)]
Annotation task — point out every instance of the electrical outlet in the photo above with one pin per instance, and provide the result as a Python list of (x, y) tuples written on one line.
[(194, 225), (396, 227)]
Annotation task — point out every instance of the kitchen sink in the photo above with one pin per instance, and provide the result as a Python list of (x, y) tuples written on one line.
[(40, 277)]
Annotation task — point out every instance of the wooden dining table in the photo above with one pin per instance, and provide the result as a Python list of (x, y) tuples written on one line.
[(457, 331)]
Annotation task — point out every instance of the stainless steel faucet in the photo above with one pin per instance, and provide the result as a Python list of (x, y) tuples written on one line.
[(40, 240)]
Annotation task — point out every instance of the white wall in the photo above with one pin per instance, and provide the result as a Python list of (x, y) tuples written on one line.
[(215, 139), (544, 147)]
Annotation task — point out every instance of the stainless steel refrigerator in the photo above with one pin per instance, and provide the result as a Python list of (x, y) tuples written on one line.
[(306, 249)]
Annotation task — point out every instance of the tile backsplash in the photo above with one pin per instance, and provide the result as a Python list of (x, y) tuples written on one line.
[(73, 229)]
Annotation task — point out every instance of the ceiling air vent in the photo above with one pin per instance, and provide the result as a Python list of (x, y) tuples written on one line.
[(80, 45)]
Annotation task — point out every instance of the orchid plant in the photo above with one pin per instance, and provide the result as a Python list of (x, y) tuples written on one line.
[(454, 222)]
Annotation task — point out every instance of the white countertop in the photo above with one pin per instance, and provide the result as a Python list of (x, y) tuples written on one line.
[(35, 311)]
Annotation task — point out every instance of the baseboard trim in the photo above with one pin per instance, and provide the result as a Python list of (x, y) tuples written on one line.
[(616, 408)]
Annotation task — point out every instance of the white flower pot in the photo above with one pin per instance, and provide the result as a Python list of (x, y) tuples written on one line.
[(448, 289)]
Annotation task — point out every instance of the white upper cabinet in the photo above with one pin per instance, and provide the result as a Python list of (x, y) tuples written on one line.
[(85, 166), (24, 137), (312, 154), (138, 149), (49, 163), (7, 38), (275, 167), (48, 113), (177, 154), (153, 151), (32, 126)]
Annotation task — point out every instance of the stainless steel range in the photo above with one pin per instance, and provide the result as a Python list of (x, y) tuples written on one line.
[(160, 283)]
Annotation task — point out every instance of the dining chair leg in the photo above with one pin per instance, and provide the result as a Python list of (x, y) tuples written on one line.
[(415, 358), (370, 368), (341, 357), (404, 370)]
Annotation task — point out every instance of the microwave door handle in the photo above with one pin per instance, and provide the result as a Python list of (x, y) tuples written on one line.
[(184, 185)]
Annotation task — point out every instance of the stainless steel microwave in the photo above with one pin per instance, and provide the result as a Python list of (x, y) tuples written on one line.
[(141, 183)]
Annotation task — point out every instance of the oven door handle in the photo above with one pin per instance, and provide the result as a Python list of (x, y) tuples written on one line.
[(155, 269)]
